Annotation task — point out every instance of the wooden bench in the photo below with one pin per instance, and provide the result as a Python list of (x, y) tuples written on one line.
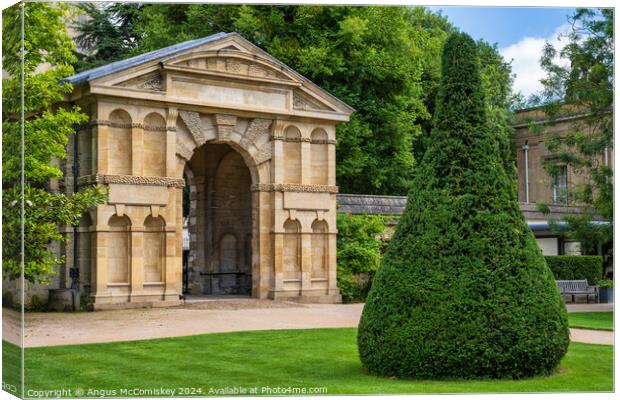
[(573, 288)]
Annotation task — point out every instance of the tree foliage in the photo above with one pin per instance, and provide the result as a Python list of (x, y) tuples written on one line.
[(107, 34), (463, 289), (576, 268), (383, 61), (359, 248), (47, 59), (584, 86)]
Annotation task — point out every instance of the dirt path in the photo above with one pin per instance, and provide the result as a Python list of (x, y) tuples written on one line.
[(50, 329), (591, 336)]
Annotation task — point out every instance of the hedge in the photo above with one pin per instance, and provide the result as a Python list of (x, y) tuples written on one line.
[(576, 267), (359, 249)]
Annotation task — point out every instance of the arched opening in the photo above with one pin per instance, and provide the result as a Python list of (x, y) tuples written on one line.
[(219, 222)]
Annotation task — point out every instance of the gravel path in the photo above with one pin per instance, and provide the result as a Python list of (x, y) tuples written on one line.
[(50, 329)]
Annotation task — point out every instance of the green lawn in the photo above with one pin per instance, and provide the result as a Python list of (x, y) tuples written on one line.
[(317, 358), (592, 320)]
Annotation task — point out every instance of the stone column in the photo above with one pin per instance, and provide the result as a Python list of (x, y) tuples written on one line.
[(306, 168), (100, 133), (173, 269), (278, 261), (306, 261), (137, 148), (277, 159), (171, 141), (277, 235), (331, 162), (137, 263), (99, 277), (261, 248)]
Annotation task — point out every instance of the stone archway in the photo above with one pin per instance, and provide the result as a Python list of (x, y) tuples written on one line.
[(257, 142), (223, 222)]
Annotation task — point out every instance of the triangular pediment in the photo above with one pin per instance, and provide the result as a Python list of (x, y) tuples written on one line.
[(236, 63), (224, 71)]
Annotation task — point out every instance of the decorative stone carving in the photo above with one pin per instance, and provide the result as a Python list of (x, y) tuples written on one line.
[(153, 128), (194, 124), (322, 141), (115, 124), (287, 187), (154, 83), (301, 139), (264, 154), (131, 180), (171, 119), (233, 66), (225, 119), (182, 150), (225, 124), (262, 72), (256, 128), (231, 63)]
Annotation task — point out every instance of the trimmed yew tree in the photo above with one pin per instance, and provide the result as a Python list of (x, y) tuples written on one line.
[(463, 290)]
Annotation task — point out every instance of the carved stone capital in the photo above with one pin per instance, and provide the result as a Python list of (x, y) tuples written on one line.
[(171, 118)]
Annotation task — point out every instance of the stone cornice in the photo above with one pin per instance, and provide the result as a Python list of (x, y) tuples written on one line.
[(289, 187), (131, 180)]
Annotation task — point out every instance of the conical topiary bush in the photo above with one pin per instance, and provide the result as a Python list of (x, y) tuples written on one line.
[(463, 290)]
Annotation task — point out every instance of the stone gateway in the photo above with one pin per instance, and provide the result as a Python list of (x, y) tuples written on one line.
[(219, 137)]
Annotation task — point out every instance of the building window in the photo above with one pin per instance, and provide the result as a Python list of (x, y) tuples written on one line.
[(560, 185)]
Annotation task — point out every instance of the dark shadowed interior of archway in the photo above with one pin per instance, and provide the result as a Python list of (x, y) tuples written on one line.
[(219, 222)]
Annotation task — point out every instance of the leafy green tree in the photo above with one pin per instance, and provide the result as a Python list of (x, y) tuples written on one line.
[(463, 289), (108, 34), (584, 86), (47, 58)]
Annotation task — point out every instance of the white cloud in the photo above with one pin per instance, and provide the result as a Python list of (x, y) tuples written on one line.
[(525, 56)]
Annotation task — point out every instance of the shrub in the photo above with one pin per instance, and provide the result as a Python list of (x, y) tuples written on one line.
[(359, 248), (576, 267), (463, 289)]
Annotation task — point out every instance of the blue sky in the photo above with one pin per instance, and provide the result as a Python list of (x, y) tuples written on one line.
[(506, 25), (520, 33)]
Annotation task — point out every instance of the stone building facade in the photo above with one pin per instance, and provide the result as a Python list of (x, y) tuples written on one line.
[(536, 185), (253, 140)]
